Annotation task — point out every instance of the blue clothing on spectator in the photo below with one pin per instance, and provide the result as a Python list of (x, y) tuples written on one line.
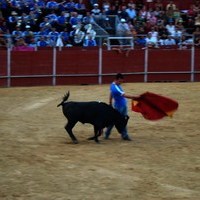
[(90, 43), (42, 43), (61, 20), (70, 6), (3, 4), (51, 5), (40, 4)]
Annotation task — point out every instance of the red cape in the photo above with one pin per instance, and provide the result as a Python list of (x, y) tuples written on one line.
[(153, 106)]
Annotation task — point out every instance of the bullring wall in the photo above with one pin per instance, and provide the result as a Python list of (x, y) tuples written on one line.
[(53, 66)]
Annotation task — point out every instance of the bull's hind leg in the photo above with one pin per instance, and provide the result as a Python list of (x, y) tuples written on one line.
[(69, 126)]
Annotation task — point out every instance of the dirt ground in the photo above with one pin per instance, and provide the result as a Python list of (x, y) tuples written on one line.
[(38, 161)]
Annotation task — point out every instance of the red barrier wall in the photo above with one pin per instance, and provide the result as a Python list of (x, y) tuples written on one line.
[(81, 66), (119, 62), (197, 64), (169, 60), (77, 61), (3, 64)]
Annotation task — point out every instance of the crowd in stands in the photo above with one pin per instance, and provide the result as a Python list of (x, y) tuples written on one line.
[(45, 23)]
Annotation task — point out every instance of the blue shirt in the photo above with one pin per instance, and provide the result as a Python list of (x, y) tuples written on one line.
[(117, 94)]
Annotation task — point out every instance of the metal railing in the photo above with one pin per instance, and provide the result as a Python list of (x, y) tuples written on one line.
[(100, 74)]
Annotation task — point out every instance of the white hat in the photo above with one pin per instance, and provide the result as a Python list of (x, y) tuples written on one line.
[(123, 20), (14, 13), (96, 4), (27, 26)]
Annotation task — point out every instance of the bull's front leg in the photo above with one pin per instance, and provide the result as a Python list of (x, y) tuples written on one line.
[(69, 126)]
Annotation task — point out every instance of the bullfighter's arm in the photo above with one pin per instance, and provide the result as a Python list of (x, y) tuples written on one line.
[(130, 96)]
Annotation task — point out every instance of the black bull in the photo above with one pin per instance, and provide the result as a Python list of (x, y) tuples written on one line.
[(99, 114)]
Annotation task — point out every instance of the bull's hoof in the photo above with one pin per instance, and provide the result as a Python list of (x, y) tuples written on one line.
[(75, 141), (97, 141), (91, 138)]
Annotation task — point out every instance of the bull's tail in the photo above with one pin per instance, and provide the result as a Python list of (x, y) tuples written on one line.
[(64, 99)]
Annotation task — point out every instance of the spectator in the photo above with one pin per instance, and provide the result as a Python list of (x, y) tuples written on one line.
[(3, 24), (92, 2), (20, 42), (196, 35), (40, 4), (112, 10), (178, 34), (157, 12), (161, 41), (74, 20), (131, 13), (52, 5), (42, 32), (154, 34), (186, 41), (89, 41), (170, 14), (133, 31), (170, 27), (171, 5), (139, 4), (151, 41), (4, 7), (62, 19), (197, 20), (96, 12), (45, 25), (90, 31), (122, 14), (33, 19), (131, 3), (70, 6), (106, 6), (80, 8), (143, 13), (77, 35), (197, 42), (152, 19), (177, 16), (169, 41), (52, 16), (116, 4), (88, 19), (28, 34), (189, 25), (32, 43), (107, 25), (123, 30), (12, 21), (3, 41), (140, 41), (42, 42), (65, 36), (192, 12), (17, 33), (21, 45), (158, 5), (53, 36)]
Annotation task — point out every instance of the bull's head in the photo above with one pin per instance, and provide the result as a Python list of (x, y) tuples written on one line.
[(121, 123)]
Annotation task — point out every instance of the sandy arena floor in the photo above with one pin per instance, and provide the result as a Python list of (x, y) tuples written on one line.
[(38, 161)]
